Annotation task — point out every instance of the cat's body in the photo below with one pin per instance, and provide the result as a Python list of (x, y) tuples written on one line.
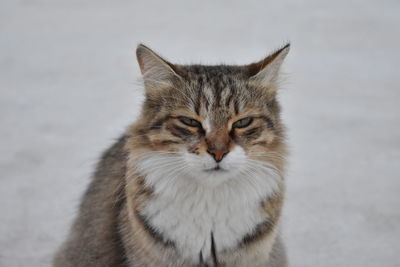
[(193, 182)]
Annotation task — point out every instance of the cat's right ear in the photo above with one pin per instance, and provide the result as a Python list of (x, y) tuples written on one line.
[(266, 71), (156, 71)]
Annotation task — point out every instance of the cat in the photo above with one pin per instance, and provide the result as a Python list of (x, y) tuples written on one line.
[(197, 180)]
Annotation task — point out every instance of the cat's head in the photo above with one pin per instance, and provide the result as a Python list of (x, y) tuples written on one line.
[(212, 123)]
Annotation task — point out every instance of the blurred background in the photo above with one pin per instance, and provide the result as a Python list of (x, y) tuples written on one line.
[(69, 86)]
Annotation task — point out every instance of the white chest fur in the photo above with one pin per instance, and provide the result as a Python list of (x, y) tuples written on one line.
[(189, 218), (186, 210)]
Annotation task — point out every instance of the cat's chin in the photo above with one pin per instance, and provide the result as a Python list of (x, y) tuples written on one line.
[(214, 176)]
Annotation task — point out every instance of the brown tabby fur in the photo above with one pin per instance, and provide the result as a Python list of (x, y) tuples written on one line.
[(110, 230)]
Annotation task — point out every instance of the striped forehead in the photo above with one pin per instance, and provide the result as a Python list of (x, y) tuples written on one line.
[(218, 93), (218, 103)]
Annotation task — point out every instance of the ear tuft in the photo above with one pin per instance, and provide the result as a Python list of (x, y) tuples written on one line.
[(141, 52), (267, 70)]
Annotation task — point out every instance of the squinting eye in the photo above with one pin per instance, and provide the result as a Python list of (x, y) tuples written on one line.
[(190, 122), (242, 123)]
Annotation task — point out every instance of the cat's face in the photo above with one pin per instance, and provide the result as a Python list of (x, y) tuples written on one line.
[(211, 122)]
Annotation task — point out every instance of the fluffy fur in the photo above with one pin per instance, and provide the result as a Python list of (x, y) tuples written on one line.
[(197, 180)]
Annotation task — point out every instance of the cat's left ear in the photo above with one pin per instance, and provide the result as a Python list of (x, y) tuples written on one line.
[(157, 72), (266, 71)]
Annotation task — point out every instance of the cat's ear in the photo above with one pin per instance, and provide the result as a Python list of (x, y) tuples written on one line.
[(266, 71), (156, 71)]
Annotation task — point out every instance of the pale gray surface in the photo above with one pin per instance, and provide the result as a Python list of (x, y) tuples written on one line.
[(68, 81)]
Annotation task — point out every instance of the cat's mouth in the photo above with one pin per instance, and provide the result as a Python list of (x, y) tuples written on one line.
[(215, 169)]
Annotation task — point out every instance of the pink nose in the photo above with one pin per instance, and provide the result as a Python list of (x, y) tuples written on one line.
[(218, 154)]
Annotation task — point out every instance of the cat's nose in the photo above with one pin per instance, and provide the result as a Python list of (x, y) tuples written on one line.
[(218, 154)]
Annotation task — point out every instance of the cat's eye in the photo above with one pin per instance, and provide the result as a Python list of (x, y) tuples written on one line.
[(242, 123), (190, 122)]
